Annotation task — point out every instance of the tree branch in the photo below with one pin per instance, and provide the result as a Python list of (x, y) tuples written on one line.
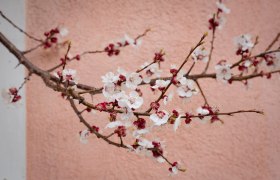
[(18, 28), (182, 65)]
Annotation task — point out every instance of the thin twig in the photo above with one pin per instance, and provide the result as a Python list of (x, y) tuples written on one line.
[(273, 42), (66, 56), (182, 65), (27, 78), (139, 70), (82, 120), (121, 140), (142, 35), (171, 164), (212, 46), (256, 56), (255, 44), (106, 138), (110, 135), (32, 49), (202, 93), (94, 52), (192, 66), (18, 28), (229, 113)]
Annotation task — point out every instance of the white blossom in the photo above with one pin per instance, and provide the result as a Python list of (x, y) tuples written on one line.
[(160, 117), (147, 79), (57, 74), (247, 63), (223, 72), (138, 133), (244, 42), (121, 72), (167, 98), (63, 31), (11, 97), (128, 39), (122, 99), (173, 66), (108, 89), (160, 159), (145, 143), (177, 122), (161, 84), (277, 56), (152, 70), (221, 21), (127, 114), (109, 78), (181, 79), (200, 54), (137, 43), (140, 150), (222, 7), (187, 88), (83, 136), (115, 124), (133, 80), (69, 75), (276, 59), (133, 101), (6, 96), (203, 111), (181, 76), (174, 170), (131, 41), (111, 91)]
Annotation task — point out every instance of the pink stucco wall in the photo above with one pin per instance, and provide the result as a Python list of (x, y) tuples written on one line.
[(246, 147)]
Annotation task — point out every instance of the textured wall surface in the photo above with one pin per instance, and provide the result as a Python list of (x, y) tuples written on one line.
[(246, 147)]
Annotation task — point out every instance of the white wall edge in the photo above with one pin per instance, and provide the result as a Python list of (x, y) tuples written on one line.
[(12, 119)]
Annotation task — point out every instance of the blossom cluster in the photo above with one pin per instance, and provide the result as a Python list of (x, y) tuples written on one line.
[(11, 95), (114, 48), (218, 20), (67, 75), (53, 36)]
